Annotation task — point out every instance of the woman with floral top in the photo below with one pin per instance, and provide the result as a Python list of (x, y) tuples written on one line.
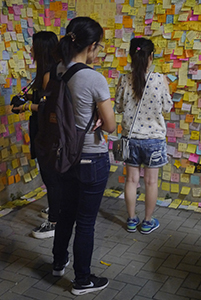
[(147, 144)]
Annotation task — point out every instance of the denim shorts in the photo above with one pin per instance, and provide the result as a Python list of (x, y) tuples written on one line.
[(152, 153)]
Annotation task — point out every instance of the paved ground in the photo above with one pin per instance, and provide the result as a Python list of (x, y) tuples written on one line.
[(164, 265)]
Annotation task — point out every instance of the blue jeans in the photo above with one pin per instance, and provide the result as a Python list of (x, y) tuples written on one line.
[(82, 188), (151, 153)]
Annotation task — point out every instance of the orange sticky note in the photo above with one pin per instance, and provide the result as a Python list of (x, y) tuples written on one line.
[(106, 137), (26, 138), (122, 61), (18, 28), (124, 170), (121, 179), (7, 44), (189, 118), (17, 178), (162, 18), (7, 85), (171, 11), (10, 180), (119, 129), (4, 180), (184, 163), (178, 104), (127, 21)]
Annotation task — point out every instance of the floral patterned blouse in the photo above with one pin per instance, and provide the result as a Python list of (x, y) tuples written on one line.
[(150, 122)]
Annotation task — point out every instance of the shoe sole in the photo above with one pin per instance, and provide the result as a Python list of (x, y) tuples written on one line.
[(77, 292), (151, 230), (61, 272), (133, 230), (43, 235)]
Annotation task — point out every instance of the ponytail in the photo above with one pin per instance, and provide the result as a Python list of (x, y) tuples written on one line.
[(140, 51), (80, 33)]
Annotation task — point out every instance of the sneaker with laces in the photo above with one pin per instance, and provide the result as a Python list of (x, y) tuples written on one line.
[(132, 224), (59, 268), (45, 213), (94, 284), (149, 226), (45, 230)]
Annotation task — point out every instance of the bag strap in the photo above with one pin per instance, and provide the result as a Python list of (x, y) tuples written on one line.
[(66, 77), (138, 107), (72, 70)]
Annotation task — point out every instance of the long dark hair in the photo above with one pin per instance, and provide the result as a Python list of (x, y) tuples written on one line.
[(80, 33), (44, 45), (140, 50)]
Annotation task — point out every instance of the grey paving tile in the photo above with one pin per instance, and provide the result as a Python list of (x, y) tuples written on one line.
[(118, 250), (189, 268), (192, 281), (131, 279), (189, 293), (112, 271), (5, 286), (128, 292), (172, 285), (167, 296), (133, 268), (153, 264), (152, 276), (24, 285), (172, 261), (107, 293), (39, 295), (172, 272), (12, 296), (150, 288), (191, 258), (10, 276)]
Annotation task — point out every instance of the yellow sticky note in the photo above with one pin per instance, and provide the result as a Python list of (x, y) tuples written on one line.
[(25, 149), (190, 169), (195, 135), (113, 168), (174, 188), (166, 176), (175, 203), (191, 148), (184, 178), (141, 197), (27, 177), (177, 164), (185, 190), (182, 147), (165, 186)]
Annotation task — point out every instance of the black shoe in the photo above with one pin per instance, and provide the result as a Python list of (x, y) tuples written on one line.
[(59, 268), (94, 284)]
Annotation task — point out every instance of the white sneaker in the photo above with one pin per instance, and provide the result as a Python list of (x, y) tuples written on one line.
[(45, 213), (45, 230)]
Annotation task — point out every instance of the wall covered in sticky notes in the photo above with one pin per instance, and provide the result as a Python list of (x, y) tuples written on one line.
[(175, 28)]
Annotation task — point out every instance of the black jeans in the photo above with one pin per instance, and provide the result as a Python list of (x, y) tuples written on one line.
[(83, 188)]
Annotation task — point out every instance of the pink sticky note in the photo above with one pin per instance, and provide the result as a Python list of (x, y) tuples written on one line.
[(30, 31), (16, 18), (4, 19), (47, 22), (193, 157), (177, 64), (19, 136), (177, 154), (172, 139), (57, 22), (5, 134), (179, 132), (64, 6), (141, 172), (172, 56), (18, 127), (3, 167), (175, 177), (10, 26), (47, 12), (30, 22), (170, 132), (4, 120), (110, 146), (17, 10), (171, 125), (109, 73), (119, 33)]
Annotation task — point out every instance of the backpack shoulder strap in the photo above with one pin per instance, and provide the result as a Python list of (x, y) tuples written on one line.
[(74, 69)]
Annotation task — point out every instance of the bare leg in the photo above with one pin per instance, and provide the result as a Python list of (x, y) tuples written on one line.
[(132, 179), (151, 191)]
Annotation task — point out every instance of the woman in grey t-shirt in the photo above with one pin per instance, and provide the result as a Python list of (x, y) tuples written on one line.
[(84, 184)]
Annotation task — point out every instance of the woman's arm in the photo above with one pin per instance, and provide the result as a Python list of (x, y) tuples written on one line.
[(106, 114)]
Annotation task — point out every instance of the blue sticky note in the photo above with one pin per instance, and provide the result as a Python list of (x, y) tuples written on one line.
[(183, 37), (150, 8), (176, 97), (199, 87), (149, 15), (169, 19), (198, 152), (172, 77), (23, 82), (62, 31), (23, 23), (6, 55), (14, 81), (46, 1), (71, 14), (131, 3), (195, 179)]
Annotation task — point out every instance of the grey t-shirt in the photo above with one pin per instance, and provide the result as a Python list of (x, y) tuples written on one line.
[(87, 88)]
